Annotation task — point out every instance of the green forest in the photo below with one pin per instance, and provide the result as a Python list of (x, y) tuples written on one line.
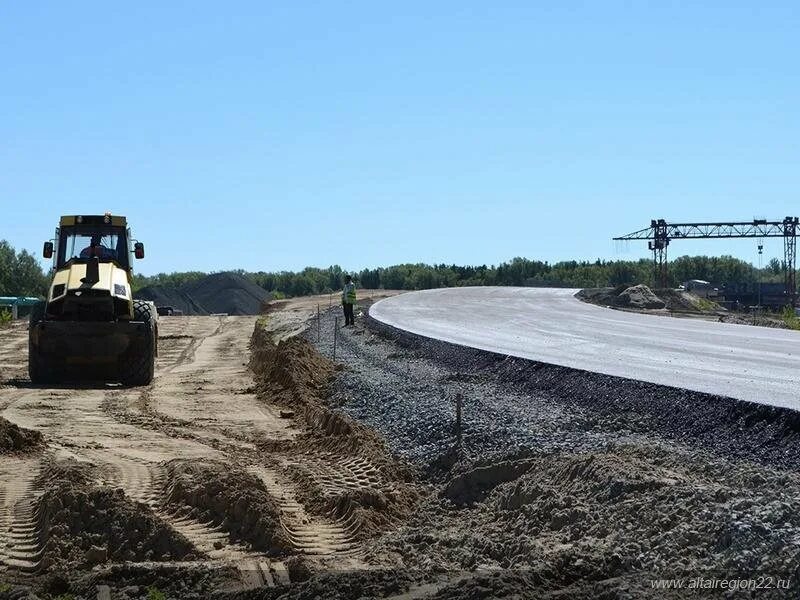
[(22, 275), (517, 272)]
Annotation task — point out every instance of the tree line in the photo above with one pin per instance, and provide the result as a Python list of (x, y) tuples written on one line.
[(516, 272), (22, 275)]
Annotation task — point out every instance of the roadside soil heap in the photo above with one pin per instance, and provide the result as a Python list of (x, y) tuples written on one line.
[(639, 296), (14, 438)]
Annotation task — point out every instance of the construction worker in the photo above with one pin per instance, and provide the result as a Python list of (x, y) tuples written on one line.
[(349, 300)]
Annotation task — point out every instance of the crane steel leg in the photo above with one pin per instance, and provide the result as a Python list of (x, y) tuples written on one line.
[(659, 248), (790, 267)]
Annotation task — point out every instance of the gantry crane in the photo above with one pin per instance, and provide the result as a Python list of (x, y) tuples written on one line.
[(660, 234)]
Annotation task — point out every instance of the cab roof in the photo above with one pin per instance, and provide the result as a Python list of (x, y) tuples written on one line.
[(106, 219)]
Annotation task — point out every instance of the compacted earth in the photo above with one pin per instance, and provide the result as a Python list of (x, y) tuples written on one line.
[(280, 457)]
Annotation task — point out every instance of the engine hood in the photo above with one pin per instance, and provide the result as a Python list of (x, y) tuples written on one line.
[(110, 278)]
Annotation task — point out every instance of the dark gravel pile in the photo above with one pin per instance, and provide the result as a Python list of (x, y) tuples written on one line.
[(228, 293), (174, 297), (218, 293)]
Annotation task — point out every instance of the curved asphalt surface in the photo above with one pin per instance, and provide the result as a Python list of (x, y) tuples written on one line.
[(550, 325)]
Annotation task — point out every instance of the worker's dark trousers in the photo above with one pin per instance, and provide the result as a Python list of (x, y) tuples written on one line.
[(349, 319)]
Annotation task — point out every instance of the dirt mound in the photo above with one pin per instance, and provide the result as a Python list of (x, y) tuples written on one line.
[(340, 585), (473, 485), (293, 367), (84, 524), (295, 374), (530, 584), (601, 296), (18, 439), (622, 296), (352, 476), (683, 301), (587, 518), (236, 499), (149, 581), (639, 296), (218, 293), (679, 301)]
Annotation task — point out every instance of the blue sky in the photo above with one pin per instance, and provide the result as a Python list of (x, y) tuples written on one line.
[(273, 136)]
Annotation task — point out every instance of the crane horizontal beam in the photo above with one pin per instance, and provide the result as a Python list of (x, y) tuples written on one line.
[(759, 228), (662, 233)]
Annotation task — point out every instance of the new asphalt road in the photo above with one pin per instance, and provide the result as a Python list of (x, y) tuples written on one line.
[(550, 325)]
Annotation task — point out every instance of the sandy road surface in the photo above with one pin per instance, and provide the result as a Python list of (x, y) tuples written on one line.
[(200, 407), (550, 325)]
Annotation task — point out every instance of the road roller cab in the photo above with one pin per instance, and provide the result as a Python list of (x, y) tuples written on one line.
[(90, 318)]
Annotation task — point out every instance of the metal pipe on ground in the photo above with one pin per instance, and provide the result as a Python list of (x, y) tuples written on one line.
[(335, 334), (459, 400)]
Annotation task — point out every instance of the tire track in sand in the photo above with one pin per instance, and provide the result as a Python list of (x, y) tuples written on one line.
[(20, 539), (148, 483), (308, 534)]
